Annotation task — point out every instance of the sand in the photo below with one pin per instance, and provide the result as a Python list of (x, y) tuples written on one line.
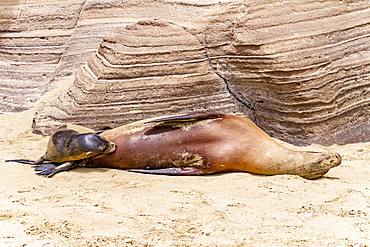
[(108, 207)]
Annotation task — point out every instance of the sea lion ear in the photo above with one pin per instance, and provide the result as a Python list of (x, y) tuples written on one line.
[(99, 132), (197, 116), (64, 126)]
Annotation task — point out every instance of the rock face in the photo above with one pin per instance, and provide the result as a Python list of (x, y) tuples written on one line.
[(300, 69), (303, 68), (44, 42), (33, 38), (139, 71)]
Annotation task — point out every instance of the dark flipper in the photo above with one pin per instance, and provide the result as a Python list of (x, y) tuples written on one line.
[(190, 117), (47, 169), (178, 171), (50, 169), (28, 162), (45, 166), (37, 166)]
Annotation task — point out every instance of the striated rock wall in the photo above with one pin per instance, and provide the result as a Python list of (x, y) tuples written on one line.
[(44, 42), (139, 71), (299, 69), (302, 67), (33, 37)]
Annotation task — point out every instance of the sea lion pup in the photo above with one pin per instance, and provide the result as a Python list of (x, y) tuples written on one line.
[(205, 143), (66, 146)]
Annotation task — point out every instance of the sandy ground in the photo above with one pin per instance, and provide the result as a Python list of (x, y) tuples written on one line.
[(108, 207)]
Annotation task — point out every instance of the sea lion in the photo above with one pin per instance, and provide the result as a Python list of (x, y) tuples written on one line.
[(198, 144), (205, 143), (67, 145)]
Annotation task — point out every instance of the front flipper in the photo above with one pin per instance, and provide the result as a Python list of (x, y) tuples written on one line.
[(189, 117), (178, 171), (50, 169), (44, 166)]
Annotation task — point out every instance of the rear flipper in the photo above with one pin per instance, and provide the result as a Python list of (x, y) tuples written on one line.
[(49, 169), (178, 171)]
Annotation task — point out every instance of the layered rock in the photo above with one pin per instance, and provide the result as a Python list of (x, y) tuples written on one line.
[(140, 71), (44, 42), (302, 67), (33, 37), (99, 18)]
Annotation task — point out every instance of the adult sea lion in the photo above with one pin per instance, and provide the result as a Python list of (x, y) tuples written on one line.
[(66, 146), (197, 144)]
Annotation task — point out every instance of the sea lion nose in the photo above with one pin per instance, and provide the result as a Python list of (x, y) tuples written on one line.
[(111, 147)]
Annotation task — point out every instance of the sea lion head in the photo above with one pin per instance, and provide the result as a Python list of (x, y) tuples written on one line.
[(68, 145)]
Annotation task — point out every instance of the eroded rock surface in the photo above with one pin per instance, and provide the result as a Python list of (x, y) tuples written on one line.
[(139, 71), (33, 37), (44, 42), (302, 67)]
